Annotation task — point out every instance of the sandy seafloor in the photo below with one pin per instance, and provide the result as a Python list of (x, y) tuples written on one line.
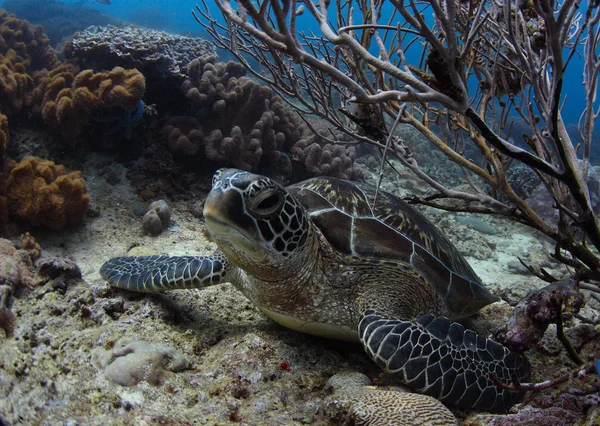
[(234, 352)]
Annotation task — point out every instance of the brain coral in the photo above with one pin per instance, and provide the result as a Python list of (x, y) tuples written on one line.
[(43, 194), (68, 100)]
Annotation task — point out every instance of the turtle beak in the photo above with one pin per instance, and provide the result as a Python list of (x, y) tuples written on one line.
[(229, 224), (226, 215)]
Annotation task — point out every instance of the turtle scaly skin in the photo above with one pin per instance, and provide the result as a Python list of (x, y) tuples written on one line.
[(320, 258)]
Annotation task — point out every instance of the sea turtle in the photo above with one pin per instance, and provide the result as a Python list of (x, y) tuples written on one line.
[(323, 257)]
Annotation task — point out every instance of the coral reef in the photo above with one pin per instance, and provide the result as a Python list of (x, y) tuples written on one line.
[(3, 212), (241, 123), (325, 159), (151, 51), (24, 49), (184, 135), (16, 276), (43, 194), (68, 101), (208, 81), (522, 179), (128, 363)]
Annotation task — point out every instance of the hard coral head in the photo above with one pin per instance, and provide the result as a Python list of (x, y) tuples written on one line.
[(255, 221)]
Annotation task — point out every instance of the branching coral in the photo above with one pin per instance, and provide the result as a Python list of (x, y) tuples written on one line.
[(482, 65), (44, 194), (68, 101)]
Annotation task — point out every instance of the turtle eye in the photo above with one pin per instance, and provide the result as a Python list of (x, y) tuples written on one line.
[(267, 205)]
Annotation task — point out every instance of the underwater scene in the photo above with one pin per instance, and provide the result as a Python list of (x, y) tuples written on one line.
[(299, 212)]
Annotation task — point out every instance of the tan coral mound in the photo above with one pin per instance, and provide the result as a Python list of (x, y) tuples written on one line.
[(45, 195), (24, 49), (69, 100)]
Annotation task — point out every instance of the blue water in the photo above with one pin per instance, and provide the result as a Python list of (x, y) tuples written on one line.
[(175, 16)]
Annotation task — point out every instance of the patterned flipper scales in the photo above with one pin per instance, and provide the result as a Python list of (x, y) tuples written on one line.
[(161, 273), (437, 357)]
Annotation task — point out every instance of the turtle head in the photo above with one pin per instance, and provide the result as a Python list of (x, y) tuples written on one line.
[(256, 223)]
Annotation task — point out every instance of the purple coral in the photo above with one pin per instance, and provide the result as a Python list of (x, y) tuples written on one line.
[(239, 122), (325, 159)]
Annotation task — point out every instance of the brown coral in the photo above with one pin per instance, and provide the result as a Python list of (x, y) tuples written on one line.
[(207, 80), (43, 194), (68, 101), (243, 123), (184, 135), (325, 159), (24, 49), (28, 243)]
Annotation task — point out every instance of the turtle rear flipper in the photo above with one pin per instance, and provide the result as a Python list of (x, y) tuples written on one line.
[(437, 357), (162, 273)]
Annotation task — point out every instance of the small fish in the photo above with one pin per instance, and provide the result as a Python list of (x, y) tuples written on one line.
[(106, 2)]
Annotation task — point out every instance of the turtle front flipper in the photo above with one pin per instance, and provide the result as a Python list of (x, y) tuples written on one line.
[(162, 273), (437, 357)]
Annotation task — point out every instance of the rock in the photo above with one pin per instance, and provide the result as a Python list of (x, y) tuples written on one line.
[(54, 267), (128, 363), (157, 217), (163, 211), (536, 312), (582, 334), (152, 223), (16, 267), (7, 318)]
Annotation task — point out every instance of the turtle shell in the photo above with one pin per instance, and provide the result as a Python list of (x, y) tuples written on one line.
[(390, 229)]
